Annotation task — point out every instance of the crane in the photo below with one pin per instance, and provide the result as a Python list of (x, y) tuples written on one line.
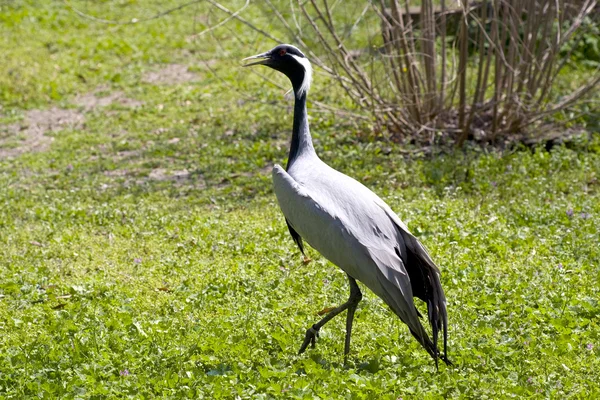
[(351, 226)]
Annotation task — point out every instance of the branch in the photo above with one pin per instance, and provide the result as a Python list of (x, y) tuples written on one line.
[(226, 20), (133, 20)]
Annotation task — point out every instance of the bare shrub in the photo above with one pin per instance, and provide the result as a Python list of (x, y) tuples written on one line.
[(483, 70)]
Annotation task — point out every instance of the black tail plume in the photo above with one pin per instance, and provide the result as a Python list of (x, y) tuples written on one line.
[(425, 282)]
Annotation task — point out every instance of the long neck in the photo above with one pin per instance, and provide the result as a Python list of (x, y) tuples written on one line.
[(301, 140)]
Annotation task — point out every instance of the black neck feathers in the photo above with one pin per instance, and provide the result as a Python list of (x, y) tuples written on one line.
[(301, 139)]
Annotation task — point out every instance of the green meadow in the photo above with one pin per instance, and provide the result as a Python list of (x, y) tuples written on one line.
[(143, 254)]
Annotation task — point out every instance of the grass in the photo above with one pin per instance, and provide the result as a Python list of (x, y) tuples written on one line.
[(142, 253)]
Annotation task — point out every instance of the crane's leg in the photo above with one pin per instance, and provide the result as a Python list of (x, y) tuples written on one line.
[(355, 297), (313, 332)]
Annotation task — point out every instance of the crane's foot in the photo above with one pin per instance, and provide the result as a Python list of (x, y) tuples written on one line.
[(446, 360), (311, 338)]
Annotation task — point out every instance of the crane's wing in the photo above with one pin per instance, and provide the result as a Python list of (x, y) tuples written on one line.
[(364, 241)]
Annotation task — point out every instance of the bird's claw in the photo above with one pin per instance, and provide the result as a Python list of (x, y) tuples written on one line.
[(311, 338)]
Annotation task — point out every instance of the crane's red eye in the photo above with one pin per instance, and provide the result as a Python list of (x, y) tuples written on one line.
[(282, 52)]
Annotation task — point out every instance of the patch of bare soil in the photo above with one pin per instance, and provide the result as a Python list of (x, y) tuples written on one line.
[(118, 173), (127, 154), (207, 64), (171, 74), (93, 100), (161, 174), (30, 135)]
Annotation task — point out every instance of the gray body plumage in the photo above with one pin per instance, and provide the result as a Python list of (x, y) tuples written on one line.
[(354, 229)]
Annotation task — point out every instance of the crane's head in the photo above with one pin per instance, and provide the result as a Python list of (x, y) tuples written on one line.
[(290, 61)]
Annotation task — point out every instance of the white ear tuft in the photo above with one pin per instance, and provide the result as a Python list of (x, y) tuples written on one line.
[(307, 75)]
